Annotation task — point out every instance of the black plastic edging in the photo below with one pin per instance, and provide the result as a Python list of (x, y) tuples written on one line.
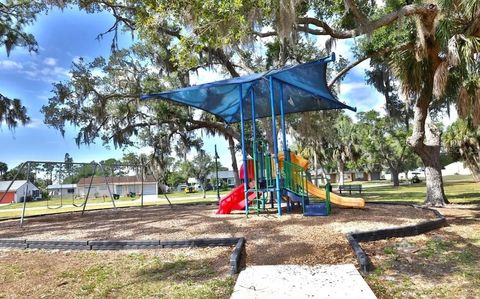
[(234, 261), (395, 232), (237, 256)]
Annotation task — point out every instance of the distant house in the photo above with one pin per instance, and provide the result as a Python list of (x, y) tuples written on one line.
[(456, 168), (226, 176), (349, 175), (16, 192), (62, 190), (122, 185)]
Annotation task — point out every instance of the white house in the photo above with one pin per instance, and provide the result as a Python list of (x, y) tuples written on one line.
[(62, 190), (226, 176), (456, 168), (122, 185), (16, 192)]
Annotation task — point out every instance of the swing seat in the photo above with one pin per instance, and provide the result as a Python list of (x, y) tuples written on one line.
[(116, 196)]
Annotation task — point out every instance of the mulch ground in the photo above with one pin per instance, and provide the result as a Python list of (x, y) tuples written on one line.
[(290, 239)]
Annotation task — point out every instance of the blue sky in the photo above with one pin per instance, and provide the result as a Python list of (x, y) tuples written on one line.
[(62, 37), (65, 36)]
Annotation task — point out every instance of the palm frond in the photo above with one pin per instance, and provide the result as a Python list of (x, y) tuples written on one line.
[(463, 102), (476, 109), (440, 79), (453, 57)]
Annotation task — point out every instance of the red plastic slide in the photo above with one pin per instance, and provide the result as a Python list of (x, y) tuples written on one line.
[(235, 200)]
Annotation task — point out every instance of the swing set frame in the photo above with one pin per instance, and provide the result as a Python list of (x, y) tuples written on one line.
[(30, 166)]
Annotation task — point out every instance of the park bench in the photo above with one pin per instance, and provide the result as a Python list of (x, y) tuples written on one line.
[(350, 188)]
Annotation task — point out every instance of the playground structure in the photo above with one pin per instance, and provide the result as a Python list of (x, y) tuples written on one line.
[(278, 176), (297, 188)]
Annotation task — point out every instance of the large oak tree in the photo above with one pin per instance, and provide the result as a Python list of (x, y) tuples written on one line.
[(432, 47)]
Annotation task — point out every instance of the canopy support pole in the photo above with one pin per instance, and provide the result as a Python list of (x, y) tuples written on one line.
[(244, 152), (275, 148), (282, 116), (255, 154)]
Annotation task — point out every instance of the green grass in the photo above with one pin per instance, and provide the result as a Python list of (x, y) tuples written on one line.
[(40, 207), (68, 200), (435, 248), (195, 194), (459, 189), (445, 266), (460, 192), (54, 202), (102, 275)]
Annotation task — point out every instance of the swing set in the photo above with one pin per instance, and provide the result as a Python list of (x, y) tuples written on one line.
[(74, 182)]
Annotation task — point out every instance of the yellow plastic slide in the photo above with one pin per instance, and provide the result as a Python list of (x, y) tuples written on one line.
[(351, 202)]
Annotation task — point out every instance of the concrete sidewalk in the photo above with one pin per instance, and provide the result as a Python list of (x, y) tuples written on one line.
[(295, 281)]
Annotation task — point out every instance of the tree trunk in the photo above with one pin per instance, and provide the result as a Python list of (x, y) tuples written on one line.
[(425, 141), (395, 180), (434, 180), (325, 179), (341, 172), (426, 137), (231, 147), (476, 175), (474, 166)]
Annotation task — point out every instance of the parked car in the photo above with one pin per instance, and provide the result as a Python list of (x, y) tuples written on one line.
[(415, 179), (181, 187), (190, 189)]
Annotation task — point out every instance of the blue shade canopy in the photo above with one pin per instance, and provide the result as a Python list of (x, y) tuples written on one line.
[(304, 89)]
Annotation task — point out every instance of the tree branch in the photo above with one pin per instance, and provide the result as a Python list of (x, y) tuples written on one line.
[(265, 34), (385, 51), (348, 68), (219, 126), (369, 26), (351, 6)]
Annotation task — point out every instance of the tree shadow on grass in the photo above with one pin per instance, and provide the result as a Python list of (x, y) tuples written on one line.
[(450, 255), (440, 257), (181, 270)]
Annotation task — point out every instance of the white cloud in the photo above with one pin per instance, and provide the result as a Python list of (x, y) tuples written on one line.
[(34, 123), (344, 47), (206, 76), (340, 46), (350, 88), (50, 61), (362, 96), (47, 73), (10, 65), (77, 59), (45, 96), (360, 69)]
